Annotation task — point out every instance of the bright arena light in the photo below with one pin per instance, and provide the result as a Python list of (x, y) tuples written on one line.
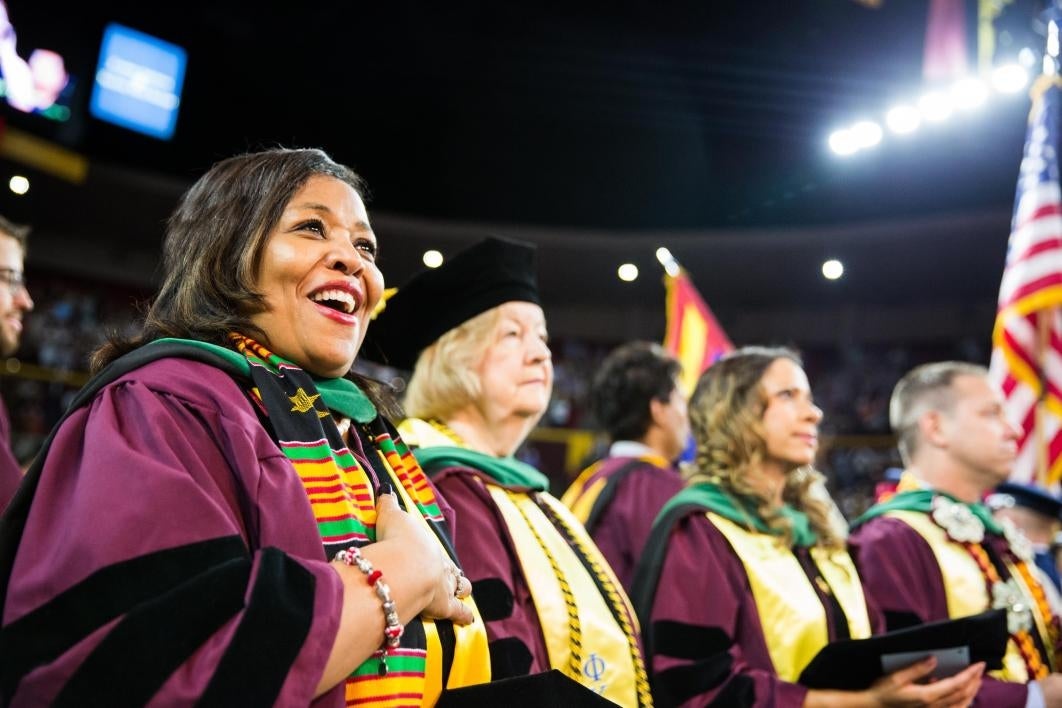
[(433, 259), (1009, 78), (843, 142), (903, 119), (969, 93), (935, 106), (18, 184), (1026, 57), (627, 272), (832, 269), (866, 133)]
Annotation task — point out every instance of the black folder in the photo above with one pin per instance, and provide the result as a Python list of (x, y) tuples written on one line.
[(854, 664), (549, 688)]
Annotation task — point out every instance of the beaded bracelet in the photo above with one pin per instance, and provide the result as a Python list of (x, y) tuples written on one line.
[(393, 629)]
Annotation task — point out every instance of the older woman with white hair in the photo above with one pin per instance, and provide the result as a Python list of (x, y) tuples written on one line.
[(474, 334)]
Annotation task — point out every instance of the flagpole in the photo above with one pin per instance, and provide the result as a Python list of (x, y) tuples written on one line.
[(1043, 332), (671, 266)]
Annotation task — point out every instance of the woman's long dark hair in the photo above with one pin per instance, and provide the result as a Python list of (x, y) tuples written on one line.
[(213, 250)]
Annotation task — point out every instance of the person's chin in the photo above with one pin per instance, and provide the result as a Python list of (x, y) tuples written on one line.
[(799, 461), (332, 366), (532, 411)]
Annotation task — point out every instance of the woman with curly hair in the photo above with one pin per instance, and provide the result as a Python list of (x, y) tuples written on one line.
[(745, 576)]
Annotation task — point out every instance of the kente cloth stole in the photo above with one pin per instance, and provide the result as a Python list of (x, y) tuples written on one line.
[(587, 622), (344, 504)]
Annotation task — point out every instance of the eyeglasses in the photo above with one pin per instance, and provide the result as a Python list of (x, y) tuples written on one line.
[(15, 280)]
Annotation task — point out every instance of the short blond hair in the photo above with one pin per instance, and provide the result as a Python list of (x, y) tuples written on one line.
[(445, 378), (925, 388)]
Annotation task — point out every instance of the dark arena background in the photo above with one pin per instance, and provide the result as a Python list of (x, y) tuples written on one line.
[(598, 131)]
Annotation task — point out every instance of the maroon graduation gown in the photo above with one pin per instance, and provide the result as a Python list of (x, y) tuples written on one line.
[(901, 576), (623, 526), (170, 465), (488, 557), (705, 600)]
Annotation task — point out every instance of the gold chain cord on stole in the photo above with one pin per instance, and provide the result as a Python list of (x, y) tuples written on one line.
[(575, 630), (619, 607)]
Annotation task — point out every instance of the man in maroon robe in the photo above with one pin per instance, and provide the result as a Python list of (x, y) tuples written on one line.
[(957, 446), (636, 398), (15, 302)]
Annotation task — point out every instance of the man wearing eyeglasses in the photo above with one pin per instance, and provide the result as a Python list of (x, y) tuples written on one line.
[(15, 302)]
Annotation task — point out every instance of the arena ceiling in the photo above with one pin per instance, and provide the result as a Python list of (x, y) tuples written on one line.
[(598, 130)]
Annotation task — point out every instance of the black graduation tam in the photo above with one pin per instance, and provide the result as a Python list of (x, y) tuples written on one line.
[(854, 664), (479, 278), (1010, 494)]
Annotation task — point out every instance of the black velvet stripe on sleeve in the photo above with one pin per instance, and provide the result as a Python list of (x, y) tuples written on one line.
[(647, 572), (47, 632), (689, 641), (269, 637), (493, 598), (147, 645), (739, 693), (707, 647), (603, 499), (677, 685), (509, 657)]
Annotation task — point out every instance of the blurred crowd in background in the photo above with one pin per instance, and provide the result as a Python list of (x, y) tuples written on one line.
[(852, 384)]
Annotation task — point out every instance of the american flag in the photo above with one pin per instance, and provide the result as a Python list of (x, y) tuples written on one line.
[(1026, 364)]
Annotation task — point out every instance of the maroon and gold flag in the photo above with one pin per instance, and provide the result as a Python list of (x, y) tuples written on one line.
[(693, 334)]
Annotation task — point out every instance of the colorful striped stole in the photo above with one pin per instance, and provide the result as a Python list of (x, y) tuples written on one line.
[(341, 494)]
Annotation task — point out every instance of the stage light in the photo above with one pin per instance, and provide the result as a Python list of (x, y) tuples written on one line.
[(969, 93), (627, 272), (903, 119), (935, 106), (832, 269), (18, 184), (671, 266), (843, 142), (1026, 57), (433, 259), (1009, 78), (866, 133)]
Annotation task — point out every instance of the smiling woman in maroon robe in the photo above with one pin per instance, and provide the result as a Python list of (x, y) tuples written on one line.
[(224, 518)]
